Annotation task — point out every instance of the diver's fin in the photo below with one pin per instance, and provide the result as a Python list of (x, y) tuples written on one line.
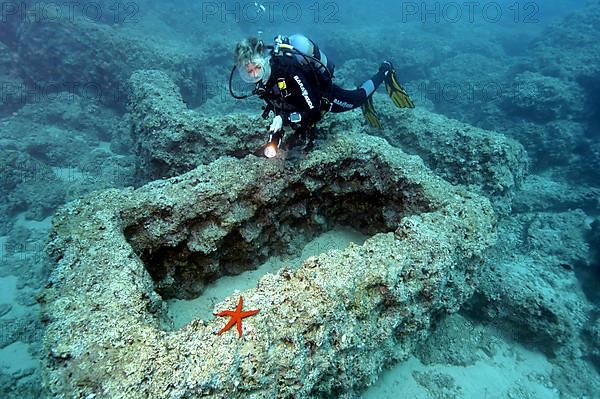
[(396, 92), (370, 114)]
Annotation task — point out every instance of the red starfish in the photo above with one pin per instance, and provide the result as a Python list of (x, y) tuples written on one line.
[(236, 317)]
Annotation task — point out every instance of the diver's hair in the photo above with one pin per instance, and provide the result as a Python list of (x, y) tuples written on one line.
[(247, 49)]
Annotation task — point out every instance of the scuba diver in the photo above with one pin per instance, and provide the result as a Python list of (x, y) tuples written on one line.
[(295, 78)]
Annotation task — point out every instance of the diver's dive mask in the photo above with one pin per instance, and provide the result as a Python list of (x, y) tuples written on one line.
[(255, 70)]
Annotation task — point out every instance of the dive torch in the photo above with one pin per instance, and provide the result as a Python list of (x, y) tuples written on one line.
[(273, 144)]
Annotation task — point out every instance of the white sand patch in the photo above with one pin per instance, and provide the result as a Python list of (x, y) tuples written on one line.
[(184, 311), (8, 296), (16, 357), (397, 382), (34, 246), (8, 289), (514, 372), (41, 225)]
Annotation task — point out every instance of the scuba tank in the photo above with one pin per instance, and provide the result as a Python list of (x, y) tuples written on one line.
[(304, 52), (307, 54)]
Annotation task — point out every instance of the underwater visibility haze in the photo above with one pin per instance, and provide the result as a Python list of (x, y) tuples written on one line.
[(299, 199)]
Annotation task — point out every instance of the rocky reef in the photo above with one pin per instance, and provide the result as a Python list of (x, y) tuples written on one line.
[(539, 284), (11, 85), (549, 99), (19, 172), (482, 160), (72, 90), (518, 291), (325, 328), (98, 59), (170, 139)]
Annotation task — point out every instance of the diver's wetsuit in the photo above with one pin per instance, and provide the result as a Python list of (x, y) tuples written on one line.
[(294, 88)]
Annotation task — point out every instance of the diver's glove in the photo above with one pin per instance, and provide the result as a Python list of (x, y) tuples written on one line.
[(276, 125), (275, 136)]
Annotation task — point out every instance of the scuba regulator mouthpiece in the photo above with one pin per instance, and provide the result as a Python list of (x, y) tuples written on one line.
[(273, 145)]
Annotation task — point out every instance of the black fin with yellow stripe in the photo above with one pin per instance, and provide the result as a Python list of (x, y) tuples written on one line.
[(396, 92), (370, 114)]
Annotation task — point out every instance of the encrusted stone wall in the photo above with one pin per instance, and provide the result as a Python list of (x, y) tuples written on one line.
[(170, 139), (324, 329)]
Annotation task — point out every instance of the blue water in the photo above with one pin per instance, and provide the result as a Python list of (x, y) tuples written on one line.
[(527, 69)]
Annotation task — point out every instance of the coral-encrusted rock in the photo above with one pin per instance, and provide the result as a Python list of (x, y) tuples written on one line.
[(27, 185), (170, 139), (323, 330), (486, 162), (85, 56), (539, 194), (520, 292), (570, 49), (13, 91), (543, 99)]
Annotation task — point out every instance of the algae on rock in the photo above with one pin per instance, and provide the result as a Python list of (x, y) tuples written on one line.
[(326, 328)]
